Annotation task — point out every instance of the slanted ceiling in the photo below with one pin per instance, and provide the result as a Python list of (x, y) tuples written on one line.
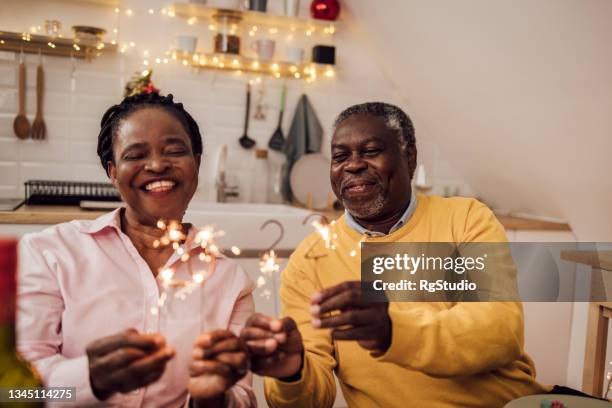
[(516, 93)]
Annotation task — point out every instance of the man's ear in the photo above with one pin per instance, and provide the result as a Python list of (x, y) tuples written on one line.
[(111, 170)]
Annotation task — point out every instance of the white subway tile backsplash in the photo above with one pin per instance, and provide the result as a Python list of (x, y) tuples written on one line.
[(10, 192), (43, 171), (96, 105), (84, 128), (54, 103), (9, 173), (84, 152), (6, 56), (87, 172), (9, 148), (98, 83), (8, 75), (55, 80), (49, 150), (8, 100), (228, 116)]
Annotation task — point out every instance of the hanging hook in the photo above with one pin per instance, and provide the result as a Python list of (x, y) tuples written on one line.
[(281, 235), (321, 216)]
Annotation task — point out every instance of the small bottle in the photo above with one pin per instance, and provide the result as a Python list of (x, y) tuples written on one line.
[(260, 179), (275, 176), (15, 372)]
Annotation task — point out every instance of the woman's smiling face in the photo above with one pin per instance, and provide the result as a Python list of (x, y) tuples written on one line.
[(154, 166)]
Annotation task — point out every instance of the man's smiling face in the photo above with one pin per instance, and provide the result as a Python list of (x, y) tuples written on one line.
[(370, 172)]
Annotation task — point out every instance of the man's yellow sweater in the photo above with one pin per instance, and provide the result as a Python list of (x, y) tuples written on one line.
[(442, 355)]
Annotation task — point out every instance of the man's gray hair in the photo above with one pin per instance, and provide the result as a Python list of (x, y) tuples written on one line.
[(395, 119)]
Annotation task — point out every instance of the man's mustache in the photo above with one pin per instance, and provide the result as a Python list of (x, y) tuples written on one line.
[(351, 181)]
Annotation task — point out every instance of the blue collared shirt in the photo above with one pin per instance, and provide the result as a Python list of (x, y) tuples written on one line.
[(351, 222)]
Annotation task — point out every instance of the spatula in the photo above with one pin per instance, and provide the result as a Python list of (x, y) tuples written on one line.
[(245, 140), (39, 129), (21, 125), (277, 140)]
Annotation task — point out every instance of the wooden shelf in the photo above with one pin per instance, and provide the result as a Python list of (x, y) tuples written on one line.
[(520, 223), (111, 3), (596, 259), (46, 45), (189, 10), (240, 64)]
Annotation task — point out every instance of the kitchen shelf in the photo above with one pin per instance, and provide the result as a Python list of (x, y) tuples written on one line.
[(240, 64), (47, 45), (189, 10)]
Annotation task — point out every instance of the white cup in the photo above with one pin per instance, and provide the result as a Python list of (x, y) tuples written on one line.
[(264, 48), (186, 43), (295, 55), (225, 4), (292, 7)]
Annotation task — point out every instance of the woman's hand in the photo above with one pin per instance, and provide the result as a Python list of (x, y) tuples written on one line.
[(126, 361), (219, 360), (275, 346)]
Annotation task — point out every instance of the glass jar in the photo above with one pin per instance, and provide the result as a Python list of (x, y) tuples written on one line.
[(261, 181), (227, 38)]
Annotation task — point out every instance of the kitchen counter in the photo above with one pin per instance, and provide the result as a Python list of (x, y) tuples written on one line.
[(46, 214), (31, 214)]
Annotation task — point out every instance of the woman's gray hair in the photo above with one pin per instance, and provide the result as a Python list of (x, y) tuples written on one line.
[(395, 119)]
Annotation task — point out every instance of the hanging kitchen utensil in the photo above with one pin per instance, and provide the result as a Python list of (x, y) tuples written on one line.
[(277, 140), (245, 140), (260, 107), (39, 129), (21, 125)]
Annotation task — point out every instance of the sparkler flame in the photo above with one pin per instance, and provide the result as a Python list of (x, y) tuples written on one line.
[(173, 235)]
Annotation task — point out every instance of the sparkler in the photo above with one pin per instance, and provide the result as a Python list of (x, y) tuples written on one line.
[(268, 266), (173, 235), (327, 232)]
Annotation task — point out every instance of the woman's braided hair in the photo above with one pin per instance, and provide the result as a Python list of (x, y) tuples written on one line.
[(116, 113)]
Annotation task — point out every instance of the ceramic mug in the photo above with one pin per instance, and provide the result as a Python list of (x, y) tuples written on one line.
[(187, 43), (264, 48), (292, 7), (256, 5), (295, 55)]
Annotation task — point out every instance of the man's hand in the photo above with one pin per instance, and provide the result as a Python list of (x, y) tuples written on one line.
[(275, 346), (219, 360), (126, 361), (353, 319)]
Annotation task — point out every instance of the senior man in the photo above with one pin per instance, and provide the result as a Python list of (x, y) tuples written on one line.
[(425, 354)]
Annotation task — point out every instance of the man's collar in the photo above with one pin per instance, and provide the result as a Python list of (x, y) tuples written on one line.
[(351, 222)]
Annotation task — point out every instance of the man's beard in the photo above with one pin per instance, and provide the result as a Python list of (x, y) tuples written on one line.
[(368, 209)]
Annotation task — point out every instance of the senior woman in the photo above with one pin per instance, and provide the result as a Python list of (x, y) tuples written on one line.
[(88, 289)]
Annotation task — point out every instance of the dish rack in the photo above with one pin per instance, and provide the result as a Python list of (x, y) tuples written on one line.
[(46, 192)]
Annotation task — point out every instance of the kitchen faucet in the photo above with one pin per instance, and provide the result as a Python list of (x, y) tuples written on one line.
[(223, 190)]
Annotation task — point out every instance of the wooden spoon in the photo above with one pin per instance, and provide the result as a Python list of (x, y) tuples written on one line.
[(21, 125), (39, 129)]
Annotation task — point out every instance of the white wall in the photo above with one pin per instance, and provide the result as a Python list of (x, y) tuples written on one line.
[(516, 93)]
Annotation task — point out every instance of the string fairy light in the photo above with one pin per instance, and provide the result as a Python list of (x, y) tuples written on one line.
[(273, 68)]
